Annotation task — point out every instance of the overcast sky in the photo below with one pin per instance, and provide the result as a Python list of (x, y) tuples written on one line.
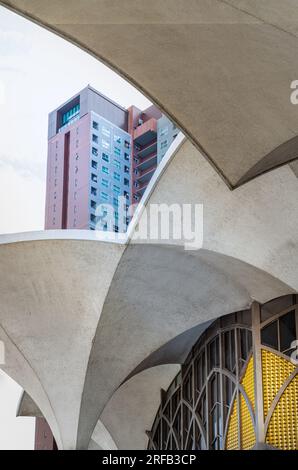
[(38, 72)]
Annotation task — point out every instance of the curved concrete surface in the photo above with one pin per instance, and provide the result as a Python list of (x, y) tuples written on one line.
[(27, 407), (257, 223), (236, 57), (131, 410), (52, 294), (102, 438), (157, 293), (80, 316)]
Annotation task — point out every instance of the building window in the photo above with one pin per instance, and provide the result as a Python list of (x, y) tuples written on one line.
[(70, 114), (164, 144), (105, 144), (55, 182), (126, 182), (126, 169), (164, 131), (104, 196), (93, 204), (126, 157), (126, 144), (54, 208), (92, 218), (116, 163), (55, 194), (77, 131), (125, 194), (117, 139), (104, 182), (95, 125), (115, 201), (94, 164), (280, 333), (105, 131), (95, 138), (93, 177), (105, 157), (93, 191), (94, 152), (56, 168), (77, 143), (76, 169), (116, 189), (116, 176), (105, 170), (75, 195), (117, 152), (77, 156)]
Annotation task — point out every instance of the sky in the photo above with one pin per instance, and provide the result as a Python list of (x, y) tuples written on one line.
[(38, 72)]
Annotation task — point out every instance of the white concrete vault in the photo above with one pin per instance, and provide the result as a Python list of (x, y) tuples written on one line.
[(236, 57), (73, 310), (84, 319)]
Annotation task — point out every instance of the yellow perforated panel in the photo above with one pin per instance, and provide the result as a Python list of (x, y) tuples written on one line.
[(248, 382), (232, 433), (248, 438), (275, 371), (283, 426), (247, 432)]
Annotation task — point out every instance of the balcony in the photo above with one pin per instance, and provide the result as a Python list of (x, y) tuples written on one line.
[(145, 175), (146, 162), (149, 149), (145, 133)]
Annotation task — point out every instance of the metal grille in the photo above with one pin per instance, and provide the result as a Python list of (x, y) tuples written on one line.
[(215, 401)]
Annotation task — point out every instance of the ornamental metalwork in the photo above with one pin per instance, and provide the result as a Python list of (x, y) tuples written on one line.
[(238, 388)]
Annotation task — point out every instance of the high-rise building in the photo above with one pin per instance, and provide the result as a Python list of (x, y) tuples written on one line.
[(89, 153), (101, 157)]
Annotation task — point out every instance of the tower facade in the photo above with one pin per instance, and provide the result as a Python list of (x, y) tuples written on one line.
[(152, 134), (89, 153)]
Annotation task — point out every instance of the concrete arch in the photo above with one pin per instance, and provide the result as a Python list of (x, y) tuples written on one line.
[(236, 107), (178, 290), (131, 410), (84, 313), (101, 438), (52, 293)]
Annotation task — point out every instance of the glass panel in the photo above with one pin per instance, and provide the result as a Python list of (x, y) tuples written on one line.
[(269, 335), (287, 330)]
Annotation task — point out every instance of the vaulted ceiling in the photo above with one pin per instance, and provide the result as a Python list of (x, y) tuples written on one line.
[(221, 69)]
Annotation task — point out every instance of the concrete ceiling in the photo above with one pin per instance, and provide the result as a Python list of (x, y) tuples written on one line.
[(80, 315), (221, 69)]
